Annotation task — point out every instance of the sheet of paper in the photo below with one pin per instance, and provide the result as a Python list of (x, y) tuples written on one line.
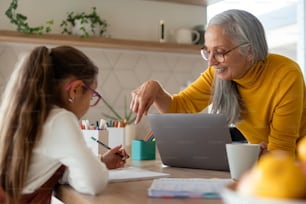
[(187, 187), (133, 173)]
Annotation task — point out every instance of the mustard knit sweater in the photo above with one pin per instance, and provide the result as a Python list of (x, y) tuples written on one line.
[(274, 97)]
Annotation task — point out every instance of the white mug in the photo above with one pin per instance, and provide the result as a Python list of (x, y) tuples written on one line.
[(241, 157), (187, 36)]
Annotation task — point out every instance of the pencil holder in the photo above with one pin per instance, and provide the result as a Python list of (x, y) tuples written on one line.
[(116, 136), (142, 150), (101, 135)]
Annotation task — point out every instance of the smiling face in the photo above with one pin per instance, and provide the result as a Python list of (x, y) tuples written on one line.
[(235, 64)]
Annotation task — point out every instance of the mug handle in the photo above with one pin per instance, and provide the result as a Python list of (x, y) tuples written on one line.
[(197, 36)]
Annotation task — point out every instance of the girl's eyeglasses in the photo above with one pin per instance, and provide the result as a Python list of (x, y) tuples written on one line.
[(96, 97)]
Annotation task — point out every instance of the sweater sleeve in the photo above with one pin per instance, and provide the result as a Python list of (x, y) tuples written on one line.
[(286, 121), (195, 97), (64, 142)]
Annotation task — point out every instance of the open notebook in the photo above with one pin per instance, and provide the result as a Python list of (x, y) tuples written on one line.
[(133, 174), (191, 140)]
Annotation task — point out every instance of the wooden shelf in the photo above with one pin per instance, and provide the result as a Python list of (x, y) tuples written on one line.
[(190, 2), (97, 42)]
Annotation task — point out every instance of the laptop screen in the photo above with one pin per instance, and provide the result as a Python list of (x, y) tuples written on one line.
[(191, 140)]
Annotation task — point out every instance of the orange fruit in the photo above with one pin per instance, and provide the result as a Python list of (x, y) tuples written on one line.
[(301, 149), (275, 175)]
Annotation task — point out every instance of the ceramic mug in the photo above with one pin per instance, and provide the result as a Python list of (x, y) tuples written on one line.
[(241, 157), (187, 36)]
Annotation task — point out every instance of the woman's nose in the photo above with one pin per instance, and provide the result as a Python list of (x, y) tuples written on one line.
[(212, 60)]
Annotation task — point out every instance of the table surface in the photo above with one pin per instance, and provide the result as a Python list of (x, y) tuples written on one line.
[(133, 192)]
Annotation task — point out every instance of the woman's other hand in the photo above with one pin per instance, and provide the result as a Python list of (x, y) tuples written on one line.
[(263, 148)]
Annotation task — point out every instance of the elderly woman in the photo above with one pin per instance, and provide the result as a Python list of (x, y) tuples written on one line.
[(262, 94)]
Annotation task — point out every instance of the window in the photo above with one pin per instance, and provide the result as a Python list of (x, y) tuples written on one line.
[(283, 21)]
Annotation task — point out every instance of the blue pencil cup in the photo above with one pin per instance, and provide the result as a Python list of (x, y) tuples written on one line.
[(142, 150)]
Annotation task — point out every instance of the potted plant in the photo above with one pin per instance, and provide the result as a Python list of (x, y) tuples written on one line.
[(126, 122), (20, 21), (128, 118), (84, 24)]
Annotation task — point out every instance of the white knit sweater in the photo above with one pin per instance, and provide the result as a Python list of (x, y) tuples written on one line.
[(63, 143)]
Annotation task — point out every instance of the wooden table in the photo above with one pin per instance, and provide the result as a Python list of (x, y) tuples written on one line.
[(134, 192)]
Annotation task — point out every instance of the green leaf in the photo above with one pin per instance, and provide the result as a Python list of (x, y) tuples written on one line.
[(50, 22), (48, 30), (112, 109)]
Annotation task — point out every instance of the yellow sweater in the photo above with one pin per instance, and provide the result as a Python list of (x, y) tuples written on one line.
[(274, 96)]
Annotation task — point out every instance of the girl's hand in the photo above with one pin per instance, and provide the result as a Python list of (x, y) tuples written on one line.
[(115, 158)]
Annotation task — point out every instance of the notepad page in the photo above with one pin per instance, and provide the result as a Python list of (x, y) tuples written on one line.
[(132, 174), (187, 187)]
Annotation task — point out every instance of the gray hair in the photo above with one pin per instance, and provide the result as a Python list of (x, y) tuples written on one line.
[(242, 27)]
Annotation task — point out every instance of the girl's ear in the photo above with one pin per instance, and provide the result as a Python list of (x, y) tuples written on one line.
[(74, 88)]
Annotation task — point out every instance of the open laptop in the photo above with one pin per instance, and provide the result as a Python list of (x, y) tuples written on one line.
[(191, 140)]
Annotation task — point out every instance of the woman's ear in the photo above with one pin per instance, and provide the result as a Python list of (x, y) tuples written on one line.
[(74, 89), (250, 53)]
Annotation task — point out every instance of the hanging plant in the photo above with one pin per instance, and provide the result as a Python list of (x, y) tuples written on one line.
[(20, 21), (84, 24)]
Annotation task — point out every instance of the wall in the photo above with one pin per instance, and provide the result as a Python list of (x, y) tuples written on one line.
[(121, 71), (128, 19)]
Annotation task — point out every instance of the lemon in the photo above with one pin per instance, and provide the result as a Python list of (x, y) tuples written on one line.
[(276, 175), (301, 149)]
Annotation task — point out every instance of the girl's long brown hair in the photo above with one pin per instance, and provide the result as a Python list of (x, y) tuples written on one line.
[(28, 98)]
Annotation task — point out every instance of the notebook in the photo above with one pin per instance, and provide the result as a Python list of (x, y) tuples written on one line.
[(133, 174), (187, 187), (191, 140)]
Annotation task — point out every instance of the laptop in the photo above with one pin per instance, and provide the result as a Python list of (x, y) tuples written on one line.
[(191, 140)]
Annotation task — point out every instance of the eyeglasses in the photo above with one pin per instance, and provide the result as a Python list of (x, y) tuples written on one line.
[(219, 56), (95, 98)]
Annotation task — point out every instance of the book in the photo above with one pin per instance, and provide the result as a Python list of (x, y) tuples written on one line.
[(133, 174), (187, 187)]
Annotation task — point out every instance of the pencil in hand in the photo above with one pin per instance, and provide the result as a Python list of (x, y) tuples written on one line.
[(107, 147)]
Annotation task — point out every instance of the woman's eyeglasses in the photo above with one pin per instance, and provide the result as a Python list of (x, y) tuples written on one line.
[(219, 56)]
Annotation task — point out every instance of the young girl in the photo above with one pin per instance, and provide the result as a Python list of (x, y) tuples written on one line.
[(40, 139)]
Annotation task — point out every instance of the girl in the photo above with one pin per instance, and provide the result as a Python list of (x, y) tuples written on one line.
[(40, 138)]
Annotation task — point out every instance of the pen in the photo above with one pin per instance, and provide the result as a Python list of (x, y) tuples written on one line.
[(107, 147)]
